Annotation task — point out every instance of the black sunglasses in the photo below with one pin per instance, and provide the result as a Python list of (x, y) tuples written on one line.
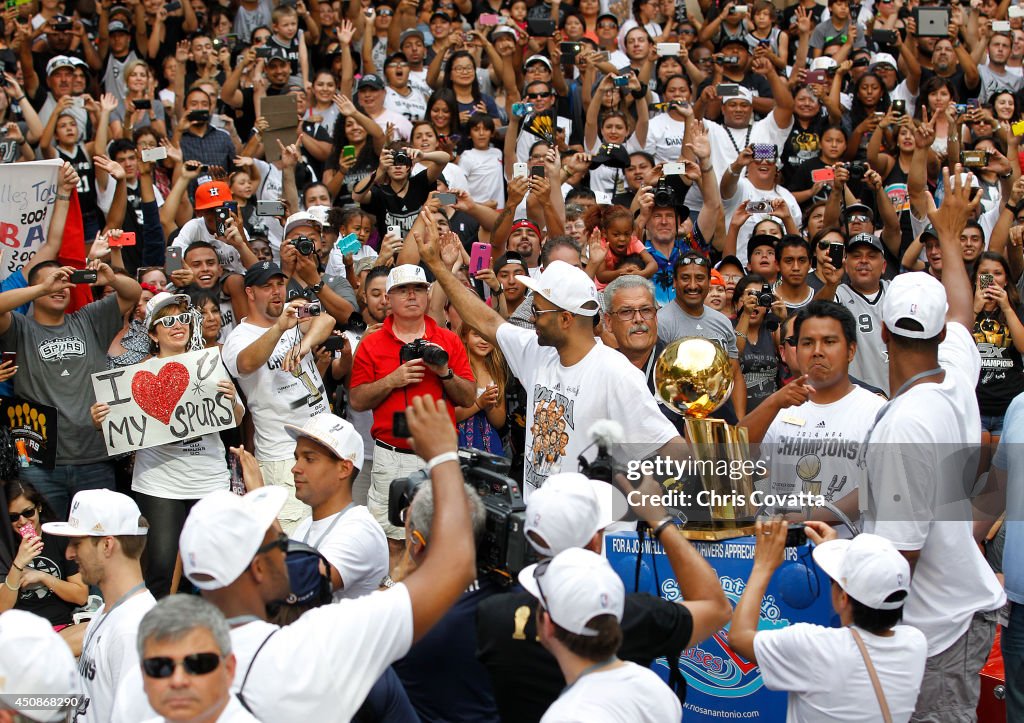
[(545, 94), (698, 260), (790, 340), (27, 513), (538, 573), (195, 664), (280, 542)]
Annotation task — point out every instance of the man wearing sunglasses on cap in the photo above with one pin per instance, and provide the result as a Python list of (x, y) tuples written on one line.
[(184, 643)]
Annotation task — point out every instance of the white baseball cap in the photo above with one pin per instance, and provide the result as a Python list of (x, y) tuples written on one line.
[(915, 296), (302, 218), (99, 513), (565, 286), (223, 532), (319, 213), (575, 586), (824, 62), (333, 432), (567, 511), (743, 94), (405, 274), (35, 659), (883, 59), (868, 567), (161, 301)]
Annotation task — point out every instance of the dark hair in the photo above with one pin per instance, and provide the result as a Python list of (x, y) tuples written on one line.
[(858, 112), (119, 145), (146, 131), (635, 259), (828, 310), (474, 86), (874, 620), (602, 216), (200, 297), (480, 119), (557, 242), (199, 245), (934, 83), (310, 185), (1013, 97), (792, 241), (997, 141), (446, 96), (645, 155), (592, 647), (741, 287), (366, 156), (825, 232), (662, 86), (1012, 293), (691, 255), (377, 272), (17, 488), (580, 192), (35, 270)]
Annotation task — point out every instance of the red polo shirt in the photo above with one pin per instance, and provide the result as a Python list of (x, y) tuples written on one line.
[(377, 356)]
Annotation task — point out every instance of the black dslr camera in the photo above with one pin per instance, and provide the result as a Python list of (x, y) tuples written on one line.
[(664, 195), (304, 245), (857, 170), (502, 549), (766, 297), (401, 158), (422, 349)]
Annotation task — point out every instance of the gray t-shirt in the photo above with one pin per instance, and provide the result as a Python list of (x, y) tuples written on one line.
[(674, 323), (55, 364), (991, 83), (826, 30)]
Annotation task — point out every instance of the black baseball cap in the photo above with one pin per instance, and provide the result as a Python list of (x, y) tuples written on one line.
[(262, 272), (865, 239), (509, 257), (761, 239)]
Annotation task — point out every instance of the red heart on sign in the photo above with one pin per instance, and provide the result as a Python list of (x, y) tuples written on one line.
[(158, 394)]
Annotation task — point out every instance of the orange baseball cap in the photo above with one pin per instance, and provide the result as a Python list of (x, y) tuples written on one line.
[(212, 194), (716, 278)]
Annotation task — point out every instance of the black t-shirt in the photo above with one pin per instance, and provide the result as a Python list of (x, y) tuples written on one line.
[(958, 81), (390, 209), (802, 146), (1002, 369), (526, 677), (443, 678), (40, 600), (465, 227)]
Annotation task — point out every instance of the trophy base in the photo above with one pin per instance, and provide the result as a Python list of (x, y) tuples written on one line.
[(715, 532)]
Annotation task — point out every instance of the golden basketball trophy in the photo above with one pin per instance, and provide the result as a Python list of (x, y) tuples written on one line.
[(694, 377)]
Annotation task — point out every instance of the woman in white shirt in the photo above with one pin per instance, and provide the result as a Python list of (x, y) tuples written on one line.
[(613, 127), (169, 479)]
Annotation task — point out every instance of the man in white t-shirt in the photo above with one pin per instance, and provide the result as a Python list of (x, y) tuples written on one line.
[(825, 670), (107, 534), (321, 666), (921, 467), (327, 450), (184, 644), (268, 353), (813, 447), (571, 379), (581, 601), (227, 238)]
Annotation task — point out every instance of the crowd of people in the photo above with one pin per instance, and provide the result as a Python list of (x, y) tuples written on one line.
[(404, 228)]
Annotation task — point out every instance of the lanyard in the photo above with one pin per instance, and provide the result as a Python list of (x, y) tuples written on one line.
[(746, 141), (329, 527), (650, 363), (92, 633)]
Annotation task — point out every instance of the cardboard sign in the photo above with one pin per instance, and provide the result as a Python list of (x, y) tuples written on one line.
[(27, 193), (163, 400), (282, 114), (34, 423)]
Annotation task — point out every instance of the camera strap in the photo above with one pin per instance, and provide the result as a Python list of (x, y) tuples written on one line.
[(239, 694), (338, 516)]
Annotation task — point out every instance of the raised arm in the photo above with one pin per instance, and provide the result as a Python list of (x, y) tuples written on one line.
[(949, 222)]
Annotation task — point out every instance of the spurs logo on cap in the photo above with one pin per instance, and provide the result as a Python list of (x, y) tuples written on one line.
[(266, 265), (913, 308)]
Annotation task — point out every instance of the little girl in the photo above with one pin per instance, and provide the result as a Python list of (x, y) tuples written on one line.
[(613, 228), (479, 424), (482, 163)]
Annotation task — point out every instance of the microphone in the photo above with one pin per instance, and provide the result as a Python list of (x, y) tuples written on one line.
[(604, 433)]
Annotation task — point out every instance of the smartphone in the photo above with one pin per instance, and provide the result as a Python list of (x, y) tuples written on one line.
[(199, 116), (335, 342), (348, 152), (263, 51), (986, 280), (668, 49), (727, 90), (1016, 11), (899, 107), (395, 231), (172, 262), (28, 530), (758, 207), (348, 244), (1000, 26), (308, 311), (78, 102), (1018, 128), (823, 175), (740, 9), (172, 6), (9, 356), (447, 199), (542, 28), (519, 170), (884, 37), (400, 425), (673, 169), (154, 154), (270, 208), (601, 56), (816, 77), (972, 103), (84, 276), (231, 206), (537, 171), (765, 152), (489, 19), (479, 258), (127, 238), (570, 50), (836, 254)]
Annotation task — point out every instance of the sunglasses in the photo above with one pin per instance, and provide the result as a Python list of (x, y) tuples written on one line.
[(790, 340), (280, 543), (27, 513), (687, 31), (858, 218), (168, 321), (690, 260), (386, 13), (538, 573), (607, 24), (545, 94), (195, 664), (535, 312), (397, 64)]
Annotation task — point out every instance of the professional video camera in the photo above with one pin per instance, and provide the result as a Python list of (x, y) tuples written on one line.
[(501, 550)]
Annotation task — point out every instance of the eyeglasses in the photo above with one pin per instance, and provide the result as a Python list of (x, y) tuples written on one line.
[(545, 94), (535, 312), (627, 314), (27, 513), (408, 290), (168, 321), (387, 13), (704, 61), (397, 64), (280, 543), (195, 664), (687, 31)]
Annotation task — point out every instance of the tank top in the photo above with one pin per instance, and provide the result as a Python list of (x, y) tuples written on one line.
[(82, 164)]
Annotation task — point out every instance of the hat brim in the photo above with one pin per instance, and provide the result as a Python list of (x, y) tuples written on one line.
[(830, 556), (295, 432), (534, 286), (528, 580), (66, 529), (175, 299)]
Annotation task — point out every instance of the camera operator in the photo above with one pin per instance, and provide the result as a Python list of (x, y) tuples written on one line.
[(300, 261), (571, 511), (411, 355), (322, 665), (441, 674), (268, 353), (212, 224)]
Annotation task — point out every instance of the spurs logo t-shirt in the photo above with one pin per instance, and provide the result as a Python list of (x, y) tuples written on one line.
[(564, 402)]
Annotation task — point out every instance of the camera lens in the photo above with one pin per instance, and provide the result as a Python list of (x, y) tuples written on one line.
[(435, 355)]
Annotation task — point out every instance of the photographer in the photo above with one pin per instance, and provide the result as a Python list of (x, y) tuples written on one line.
[(212, 224), (747, 200), (571, 512), (300, 261), (411, 355), (198, 139), (268, 354), (392, 195)]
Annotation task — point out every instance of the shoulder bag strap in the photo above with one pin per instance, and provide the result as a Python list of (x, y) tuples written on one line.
[(241, 697), (874, 676)]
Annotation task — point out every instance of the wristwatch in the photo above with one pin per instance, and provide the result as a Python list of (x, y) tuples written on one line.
[(317, 288), (676, 521), (449, 375)]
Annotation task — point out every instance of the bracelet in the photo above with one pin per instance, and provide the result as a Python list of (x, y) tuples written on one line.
[(441, 459), (741, 335), (668, 521), (9, 586), (19, 569), (63, 197)]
